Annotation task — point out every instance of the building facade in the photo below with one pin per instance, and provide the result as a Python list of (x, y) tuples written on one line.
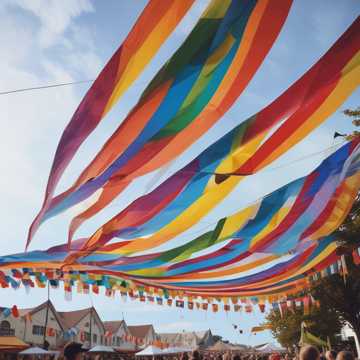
[(144, 334), (118, 335), (83, 326), (44, 323), (30, 326)]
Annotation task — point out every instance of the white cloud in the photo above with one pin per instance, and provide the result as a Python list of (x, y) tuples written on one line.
[(11, 52), (31, 122), (86, 63), (54, 16)]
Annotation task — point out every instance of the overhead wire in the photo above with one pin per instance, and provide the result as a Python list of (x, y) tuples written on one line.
[(7, 92)]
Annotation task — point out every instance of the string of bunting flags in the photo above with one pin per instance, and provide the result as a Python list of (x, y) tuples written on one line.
[(85, 282), (286, 265)]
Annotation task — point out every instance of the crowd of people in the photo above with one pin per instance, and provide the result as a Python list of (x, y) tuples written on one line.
[(74, 351)]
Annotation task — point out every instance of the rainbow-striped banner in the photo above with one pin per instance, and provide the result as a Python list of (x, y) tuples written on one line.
[(193, 90), (183, 199)]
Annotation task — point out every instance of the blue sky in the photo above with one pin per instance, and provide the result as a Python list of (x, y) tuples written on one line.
[(51, 41)]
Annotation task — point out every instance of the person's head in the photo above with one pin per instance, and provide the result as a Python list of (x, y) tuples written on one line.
[(330, 355), (195, 355), (184, 356), (236, 357), (274, 356), (345, 355), (309, 352), (73, 350)]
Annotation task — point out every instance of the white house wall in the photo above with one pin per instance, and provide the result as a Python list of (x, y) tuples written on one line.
[(24, 328), (118, 339), (96, 329)]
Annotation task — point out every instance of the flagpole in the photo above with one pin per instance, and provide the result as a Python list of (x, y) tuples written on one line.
[(90, 326), (47, 313), (25, 320)]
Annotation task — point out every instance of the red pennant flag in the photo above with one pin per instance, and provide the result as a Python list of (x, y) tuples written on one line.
[(262, 308), (15, 311), (356, 256), (283, 307), (306, 302)]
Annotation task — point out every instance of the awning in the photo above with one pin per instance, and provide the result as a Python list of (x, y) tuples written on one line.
[(12, 343)]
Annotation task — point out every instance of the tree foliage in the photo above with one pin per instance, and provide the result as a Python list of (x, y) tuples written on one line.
[(287, 328), (354, 114)]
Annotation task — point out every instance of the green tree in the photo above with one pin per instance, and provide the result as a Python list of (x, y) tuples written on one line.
[(287, 328), (354, 114)]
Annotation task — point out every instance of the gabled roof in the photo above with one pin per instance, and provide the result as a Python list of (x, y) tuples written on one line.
[(113, 326), (140, 331), (191, 339), (220, 346), (184, 339), (208, 339), (34, 310), (70, 319)]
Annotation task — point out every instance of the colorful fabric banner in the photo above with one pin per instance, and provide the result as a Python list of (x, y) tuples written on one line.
[(269, 250), (194, 89), (150, 31), (182, 200)]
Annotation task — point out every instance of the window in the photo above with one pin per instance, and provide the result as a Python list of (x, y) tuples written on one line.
[(87, 336), (94, 338), (38, 330), (101, 339), (117, 341), (5, 328)]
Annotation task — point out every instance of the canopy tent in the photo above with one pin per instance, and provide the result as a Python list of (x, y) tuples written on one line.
[(35, 351), (101, 349), (175, 350), (220, 346), (150, 351), (12, 344), (270, 348)]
